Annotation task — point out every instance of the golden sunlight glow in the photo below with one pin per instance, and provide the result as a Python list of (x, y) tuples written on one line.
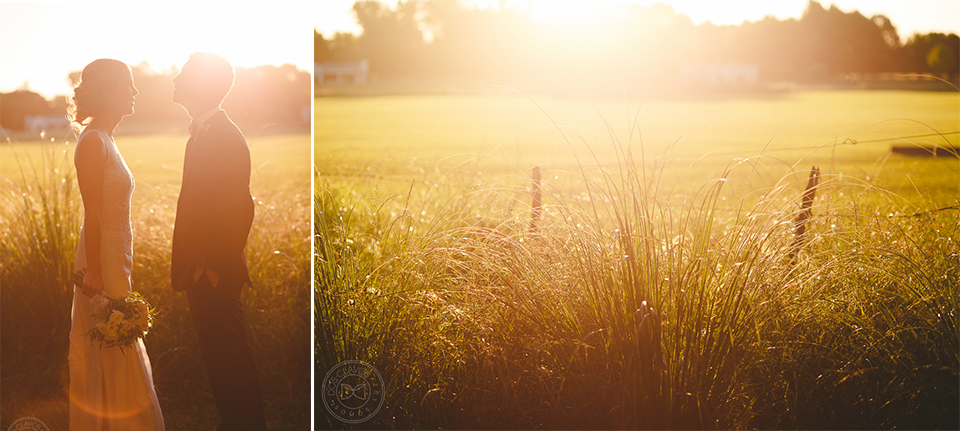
[(103, 414), (567, 12), (910, 17), (582, 13), (53, 40)]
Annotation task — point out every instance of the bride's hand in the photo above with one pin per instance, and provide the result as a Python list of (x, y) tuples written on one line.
[(92, 284)]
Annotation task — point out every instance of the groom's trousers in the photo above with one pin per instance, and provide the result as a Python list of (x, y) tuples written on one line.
[(222, 329)]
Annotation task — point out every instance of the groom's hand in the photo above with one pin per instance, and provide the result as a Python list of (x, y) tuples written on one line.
[(211, 275)]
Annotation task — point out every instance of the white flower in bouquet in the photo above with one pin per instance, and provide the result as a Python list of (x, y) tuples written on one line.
[(122, 320), (109, 331), (128, 325), (116, 317), (102, 312)]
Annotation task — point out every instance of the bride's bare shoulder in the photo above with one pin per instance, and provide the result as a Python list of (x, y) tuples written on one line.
[(90, 138), (90, 146)]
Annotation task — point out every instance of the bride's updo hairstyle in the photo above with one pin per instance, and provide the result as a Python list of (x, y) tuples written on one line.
[(95, 80)]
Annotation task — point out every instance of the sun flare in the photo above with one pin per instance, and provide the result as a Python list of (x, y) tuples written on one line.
[(53, 40)]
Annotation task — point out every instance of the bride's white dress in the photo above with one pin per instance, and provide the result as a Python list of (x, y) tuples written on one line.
[(110, 389)]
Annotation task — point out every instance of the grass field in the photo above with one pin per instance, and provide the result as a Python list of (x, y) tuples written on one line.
[(395, 138), (655, 278), (42, 213)]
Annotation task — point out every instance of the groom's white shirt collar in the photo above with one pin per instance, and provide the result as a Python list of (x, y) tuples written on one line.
[(196, 124)]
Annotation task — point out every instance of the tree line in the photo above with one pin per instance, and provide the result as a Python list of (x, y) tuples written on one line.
[(260, 95), (445, 38)]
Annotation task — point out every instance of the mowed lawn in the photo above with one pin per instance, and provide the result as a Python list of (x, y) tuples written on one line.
[(392, 140)]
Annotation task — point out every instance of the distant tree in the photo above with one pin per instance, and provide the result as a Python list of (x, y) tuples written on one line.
[(268, 94), (477, 42), (391, 38), (345, 47), (942, 58), (630, 43), (932, 53), (341, 47), (321, 49), (649, 42), (887, 30), (16, 106), (848, 42)]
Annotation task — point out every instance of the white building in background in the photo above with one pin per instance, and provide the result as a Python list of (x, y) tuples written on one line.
[(341, 72), (39, 123), (719, 74)]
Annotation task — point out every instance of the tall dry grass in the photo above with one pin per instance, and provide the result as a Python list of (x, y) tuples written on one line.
[(42, 214), (636, 303)]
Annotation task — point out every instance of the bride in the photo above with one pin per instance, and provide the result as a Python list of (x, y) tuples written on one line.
[(110, 388)]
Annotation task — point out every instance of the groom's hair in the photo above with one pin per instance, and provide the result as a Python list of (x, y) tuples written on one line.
[(218, 71)]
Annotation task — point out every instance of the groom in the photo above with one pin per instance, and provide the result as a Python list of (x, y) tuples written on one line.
[(214, 214)]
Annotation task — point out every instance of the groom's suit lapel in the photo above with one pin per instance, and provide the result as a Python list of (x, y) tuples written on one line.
[(192, 193), (190, 155), (198, 144), (214, 202)]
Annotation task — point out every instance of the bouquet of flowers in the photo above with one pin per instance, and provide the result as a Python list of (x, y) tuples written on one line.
[(121, 320)]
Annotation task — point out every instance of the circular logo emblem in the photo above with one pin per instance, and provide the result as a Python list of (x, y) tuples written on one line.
[(352, 391), (28, 423)]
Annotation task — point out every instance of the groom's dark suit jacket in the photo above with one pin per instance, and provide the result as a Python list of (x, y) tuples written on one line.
[(215, 209)]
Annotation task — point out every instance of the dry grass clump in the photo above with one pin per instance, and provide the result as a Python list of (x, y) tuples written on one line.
[(629, 303), (41, 218)]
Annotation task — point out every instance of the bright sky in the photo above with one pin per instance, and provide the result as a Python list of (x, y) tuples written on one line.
[(40, 44), (909, 16)]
